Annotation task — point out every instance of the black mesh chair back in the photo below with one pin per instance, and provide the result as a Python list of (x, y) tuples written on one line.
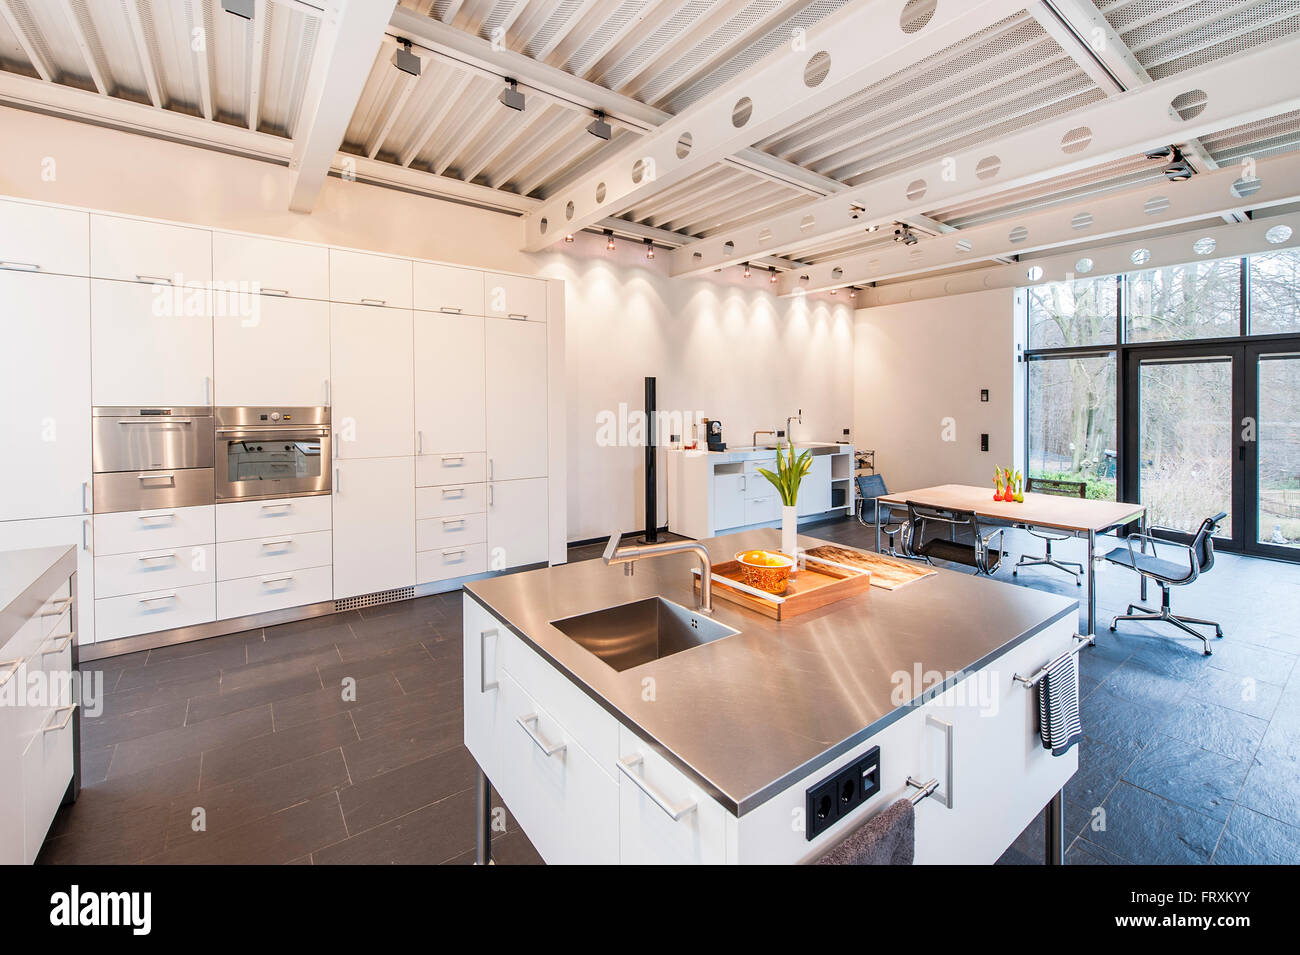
[(1203, 542)]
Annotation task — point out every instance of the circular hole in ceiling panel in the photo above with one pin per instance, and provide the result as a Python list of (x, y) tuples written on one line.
[(1278, 234), (1188, 105), (963, 246), (1081, 221), (543, 225), (916, 189), (600, 193), (764, 236), (1035, 273), (1076, 140), (916, 15), (837, 273), (1204, 246), (1155, 205), (684, 143), (817, 69), (742, 111), (988, 167), (1246, 186), (568, 209), (1140, 256), (640, 169), (1018, 234), (1083, 266)]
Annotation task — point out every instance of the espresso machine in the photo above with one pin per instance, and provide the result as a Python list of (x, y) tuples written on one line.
[(713, 434)]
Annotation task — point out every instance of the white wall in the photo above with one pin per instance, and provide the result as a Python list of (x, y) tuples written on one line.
[(919, 363), (727, 348)]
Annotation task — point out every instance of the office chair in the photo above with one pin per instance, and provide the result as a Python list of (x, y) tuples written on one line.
[(870, 487), (1063, 489), (981, 554), (1170, 573)]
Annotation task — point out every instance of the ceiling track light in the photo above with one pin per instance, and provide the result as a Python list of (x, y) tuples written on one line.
[(405, 60), (747, 272), (609, 240), (905, 235), (772, 278), (649, 249), (240, 8), (599, 127), (568, 237), (511, 97)]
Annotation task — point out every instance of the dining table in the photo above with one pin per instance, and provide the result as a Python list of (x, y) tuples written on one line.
[(1077, 516)]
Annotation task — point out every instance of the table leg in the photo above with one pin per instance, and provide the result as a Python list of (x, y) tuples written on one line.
[(1092, 584), (877, 509), (1054, 850), (1142, 577), (483, 821)]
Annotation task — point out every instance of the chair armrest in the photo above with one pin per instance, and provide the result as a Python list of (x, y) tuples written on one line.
[(1193, 571)]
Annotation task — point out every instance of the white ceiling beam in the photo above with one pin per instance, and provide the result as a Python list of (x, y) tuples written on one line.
[(472, 52), (256, 52), (142, 53), (776, 89), (83, 45), (34, 56), (406, 85), (1119, 127), (562, 123), (1229, 241), (446, 102), (1142, 209), (202, 67), (352, 33), (467, 133)]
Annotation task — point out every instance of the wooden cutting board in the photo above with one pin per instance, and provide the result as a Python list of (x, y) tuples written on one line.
[(886, 572), (814, 587)]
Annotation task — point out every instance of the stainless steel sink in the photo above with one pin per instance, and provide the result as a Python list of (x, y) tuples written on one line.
[(635, 633)]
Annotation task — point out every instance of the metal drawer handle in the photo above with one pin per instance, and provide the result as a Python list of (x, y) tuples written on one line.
[(675, 813), (155, 420), (419, 442), (453, 457), (157, 517), (277, 580), (483, 684), (67, 639), (274, 291), (57, 611), (11, 668), (148, 600), (451, 309), (145, 558), (449, 553), (67, 718), (169, 478), (517, 315), (20, 266), (548, 749), (374, 301), (152, 279), (945, 797), (453, 520), (458, 491), (287, 542), (287, 505)]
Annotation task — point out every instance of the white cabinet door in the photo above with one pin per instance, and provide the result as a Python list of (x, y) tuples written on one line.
[(517, 523), (374, 525), (137, 251), (11, 793), (450, 389), (515, 297), (516, 399), (144, 350), (278, 355), (484, 636), (648, 833), (365, 279), (44, 239), (278, 267), (372, 388), (75, 532), (815, 488), (45, 389), (728, 501), (445, 288), (762, 508)]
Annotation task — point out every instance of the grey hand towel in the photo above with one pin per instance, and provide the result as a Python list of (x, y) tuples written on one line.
[(1058, 705), (887, 838)]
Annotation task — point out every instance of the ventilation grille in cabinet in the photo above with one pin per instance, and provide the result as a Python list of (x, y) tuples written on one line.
[(374, 600)]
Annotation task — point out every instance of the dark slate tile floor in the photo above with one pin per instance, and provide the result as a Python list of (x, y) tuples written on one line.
[(1185, 758)]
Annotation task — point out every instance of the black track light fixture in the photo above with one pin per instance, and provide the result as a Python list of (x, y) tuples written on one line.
[(599, 127), (405, 60), (609, 240), (772, 274), (649, 249), (747, 272), (511, 97), (240, 8)]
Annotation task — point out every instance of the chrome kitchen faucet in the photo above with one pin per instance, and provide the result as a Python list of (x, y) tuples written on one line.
[(629, 554)]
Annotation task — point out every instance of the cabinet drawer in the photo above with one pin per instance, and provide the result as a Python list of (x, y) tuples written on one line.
[(767, 464), (154, 570), (136, 491), (275, 591), (272, 555), (450, 501), (280, 268), (45, 239), (445, 288), (242, 520), (133, 532), (593, 728), (363, 279), (512, 296), (761, 509), (648, 833), (21, 647), (56, 612), (564, 801), (146, 613), (459, 468), (138, 251), (443, 532), (448, 563)]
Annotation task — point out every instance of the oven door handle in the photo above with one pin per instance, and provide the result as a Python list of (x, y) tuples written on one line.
[(271, 434)]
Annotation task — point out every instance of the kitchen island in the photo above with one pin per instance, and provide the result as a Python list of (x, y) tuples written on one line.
[(719, 753)]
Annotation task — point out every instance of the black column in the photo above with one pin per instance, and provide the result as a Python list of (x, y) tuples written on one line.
[(651, 484)]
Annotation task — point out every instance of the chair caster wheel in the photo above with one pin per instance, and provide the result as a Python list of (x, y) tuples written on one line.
[(1078, 583), (1112, 628), (1208, 653)]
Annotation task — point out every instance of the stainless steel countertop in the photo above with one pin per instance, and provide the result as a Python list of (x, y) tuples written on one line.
[(753, 452), (27, 578), (748, 715)]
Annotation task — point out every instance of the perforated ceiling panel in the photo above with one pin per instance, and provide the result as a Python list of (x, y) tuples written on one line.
[(1268, 137)]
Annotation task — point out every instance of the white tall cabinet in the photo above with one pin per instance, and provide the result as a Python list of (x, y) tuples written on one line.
[(374, 525), (516, 399)]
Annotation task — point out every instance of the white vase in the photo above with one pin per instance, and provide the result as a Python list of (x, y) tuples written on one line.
[(790, 533)]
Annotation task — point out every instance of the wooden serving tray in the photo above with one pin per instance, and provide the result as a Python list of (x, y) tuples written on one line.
[(814, 587), (888, 573)]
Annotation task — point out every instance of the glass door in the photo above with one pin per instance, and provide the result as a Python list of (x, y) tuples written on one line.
[(1273, 484), (1182, 405)]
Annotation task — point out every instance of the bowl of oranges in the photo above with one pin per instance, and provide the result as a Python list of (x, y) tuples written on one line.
[(765, 570)]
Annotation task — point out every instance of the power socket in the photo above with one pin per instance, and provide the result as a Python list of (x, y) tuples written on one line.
[(837, 796)]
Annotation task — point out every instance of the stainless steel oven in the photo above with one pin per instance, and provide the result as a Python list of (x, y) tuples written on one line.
[(146, 458), (272, 452)]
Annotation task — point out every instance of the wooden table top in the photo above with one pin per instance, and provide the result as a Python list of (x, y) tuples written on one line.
[(1039, 510)]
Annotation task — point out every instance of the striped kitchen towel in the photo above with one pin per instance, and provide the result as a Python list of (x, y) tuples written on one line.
[(1058, 705)]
